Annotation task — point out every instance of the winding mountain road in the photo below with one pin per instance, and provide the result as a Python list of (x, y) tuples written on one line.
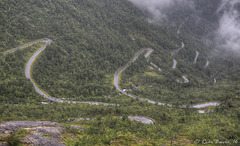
[(149, 51), (26, 45), (207, 63), (146, 56), (144, 120), (28, 74), (174, 64), (174, 53), (185, 80), (154, 65), (195, 59), (141, 119), (116, 78), (178, 50)]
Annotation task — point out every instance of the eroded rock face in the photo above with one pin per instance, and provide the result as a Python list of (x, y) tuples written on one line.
[(40, 140), (77, 127), (39, 132), (13, 126), (53, 131)]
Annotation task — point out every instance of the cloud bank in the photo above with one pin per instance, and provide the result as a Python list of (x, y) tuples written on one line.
[(159, 8), (228, 33)]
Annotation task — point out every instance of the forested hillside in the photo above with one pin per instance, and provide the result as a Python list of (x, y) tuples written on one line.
[(91, 41), (212, 76)]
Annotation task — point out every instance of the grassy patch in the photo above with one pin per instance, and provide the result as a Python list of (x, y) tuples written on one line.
[(152, 74), (14, 139), (128, 140), (47, 135), (150, 68), (21, 133)]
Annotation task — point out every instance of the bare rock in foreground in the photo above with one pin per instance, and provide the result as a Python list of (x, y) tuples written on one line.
[(36, 133)]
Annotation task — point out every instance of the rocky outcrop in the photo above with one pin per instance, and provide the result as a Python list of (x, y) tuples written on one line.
[(10, 127), (77, 127), (37, 133), (40, 140)]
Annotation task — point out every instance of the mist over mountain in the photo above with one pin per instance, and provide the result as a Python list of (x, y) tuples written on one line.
[(220, 18), (171, 65), (228, 34), (160, 9)]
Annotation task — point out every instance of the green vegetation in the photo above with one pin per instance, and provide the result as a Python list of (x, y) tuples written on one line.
[(15, 88), (13, 139), (146, 81), (91, 41), (170, 123)]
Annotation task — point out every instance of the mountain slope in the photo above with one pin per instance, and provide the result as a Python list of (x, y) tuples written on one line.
[(91, 39)]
